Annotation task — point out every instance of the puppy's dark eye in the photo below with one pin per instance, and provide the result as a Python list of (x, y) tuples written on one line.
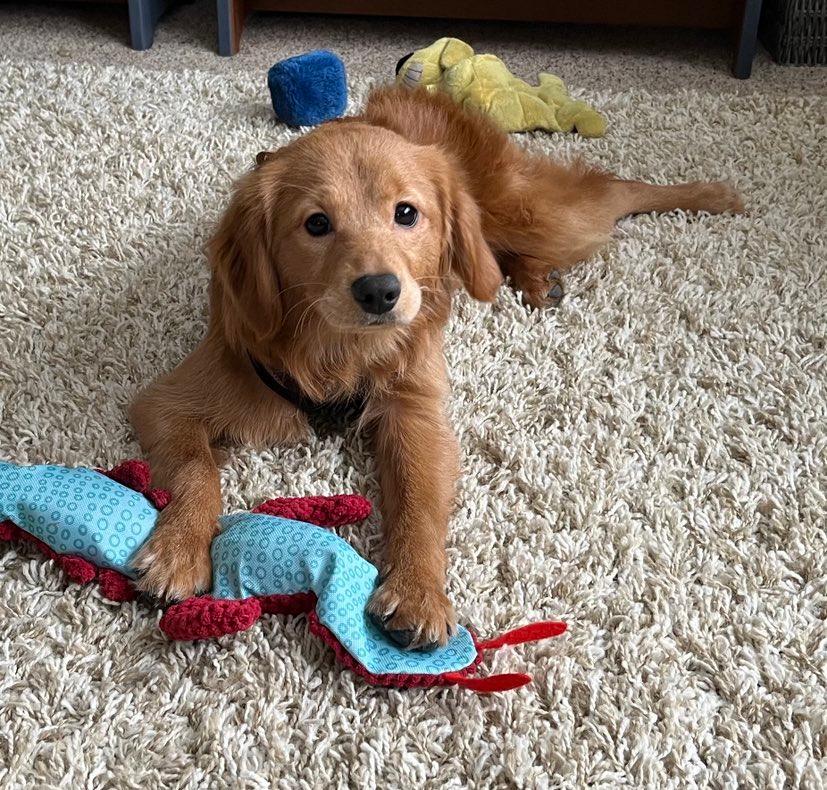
[(405, 214), (318, 225)]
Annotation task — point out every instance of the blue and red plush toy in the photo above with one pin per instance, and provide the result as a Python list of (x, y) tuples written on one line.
[(275, 559)]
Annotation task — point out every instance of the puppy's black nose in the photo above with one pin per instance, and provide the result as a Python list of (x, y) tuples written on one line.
[(376, 293)]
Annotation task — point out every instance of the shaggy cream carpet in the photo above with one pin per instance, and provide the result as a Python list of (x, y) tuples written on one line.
[(647, 462)]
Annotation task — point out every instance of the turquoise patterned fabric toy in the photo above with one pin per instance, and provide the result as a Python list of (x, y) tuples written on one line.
[(262, 562)]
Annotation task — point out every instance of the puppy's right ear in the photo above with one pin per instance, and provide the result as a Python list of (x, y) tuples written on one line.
[(245, 290)]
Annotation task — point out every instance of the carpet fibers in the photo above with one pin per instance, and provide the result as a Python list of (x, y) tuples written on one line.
[(647, 463)]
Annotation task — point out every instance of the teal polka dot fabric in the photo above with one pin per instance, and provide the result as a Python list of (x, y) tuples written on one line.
[(84, 513), (77, 511), (257, 555)]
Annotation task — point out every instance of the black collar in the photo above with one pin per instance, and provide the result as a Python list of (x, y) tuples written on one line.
[(287, 388)]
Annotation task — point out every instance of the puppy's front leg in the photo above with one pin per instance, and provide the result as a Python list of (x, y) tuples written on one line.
[(176, 559), (418, 460), (211, 393)]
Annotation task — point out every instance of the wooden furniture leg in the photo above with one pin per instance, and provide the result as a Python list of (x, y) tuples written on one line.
[(231, 17), (143, 14), (747, 39)]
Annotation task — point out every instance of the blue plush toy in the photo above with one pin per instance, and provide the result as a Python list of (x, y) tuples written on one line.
[(308, 89)]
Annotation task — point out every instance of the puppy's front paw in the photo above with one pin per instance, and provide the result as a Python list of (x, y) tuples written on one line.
[(176, 561), (416, 614)]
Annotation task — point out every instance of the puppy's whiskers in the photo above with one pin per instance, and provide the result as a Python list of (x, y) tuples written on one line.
[(306, 313), (298, 285), (298, 304)]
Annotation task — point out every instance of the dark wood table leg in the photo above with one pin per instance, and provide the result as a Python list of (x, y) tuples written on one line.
[(231, 17), (143, 14), (747, 39)]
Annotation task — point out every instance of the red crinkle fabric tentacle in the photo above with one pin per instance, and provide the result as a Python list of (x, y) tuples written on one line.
[(532, 632), (297, 603), (205, 617), (9, 531), (324, 511), (487, 685), (42, 547), (76, 568), (159, 497), (133, 474), (115, 586)]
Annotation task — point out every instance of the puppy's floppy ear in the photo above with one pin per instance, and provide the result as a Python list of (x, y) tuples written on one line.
[(466, 253), (245, 289)]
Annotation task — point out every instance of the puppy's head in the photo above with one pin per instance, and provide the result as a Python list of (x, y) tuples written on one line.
[(350, 226)]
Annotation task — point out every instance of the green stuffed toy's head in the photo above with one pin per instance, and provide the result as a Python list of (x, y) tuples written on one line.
[(424, 68)]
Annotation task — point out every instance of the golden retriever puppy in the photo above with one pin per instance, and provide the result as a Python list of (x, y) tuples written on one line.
[(332, 275)]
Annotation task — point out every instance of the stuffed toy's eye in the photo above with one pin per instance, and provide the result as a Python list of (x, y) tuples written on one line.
[(405, 214), (318, 225), (401, 62)]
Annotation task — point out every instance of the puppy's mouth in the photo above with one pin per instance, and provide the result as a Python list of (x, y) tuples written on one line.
[(388, 319), (376, 323), (364, 322)]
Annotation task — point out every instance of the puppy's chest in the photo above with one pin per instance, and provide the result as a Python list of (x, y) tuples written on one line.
[(357, 371), (314, 385)]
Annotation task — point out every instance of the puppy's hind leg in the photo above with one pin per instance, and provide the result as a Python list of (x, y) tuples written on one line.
[(636, 197), (580, 220)]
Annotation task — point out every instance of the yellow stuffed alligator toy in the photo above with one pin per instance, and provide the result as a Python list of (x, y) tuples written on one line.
[(484, 82)]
